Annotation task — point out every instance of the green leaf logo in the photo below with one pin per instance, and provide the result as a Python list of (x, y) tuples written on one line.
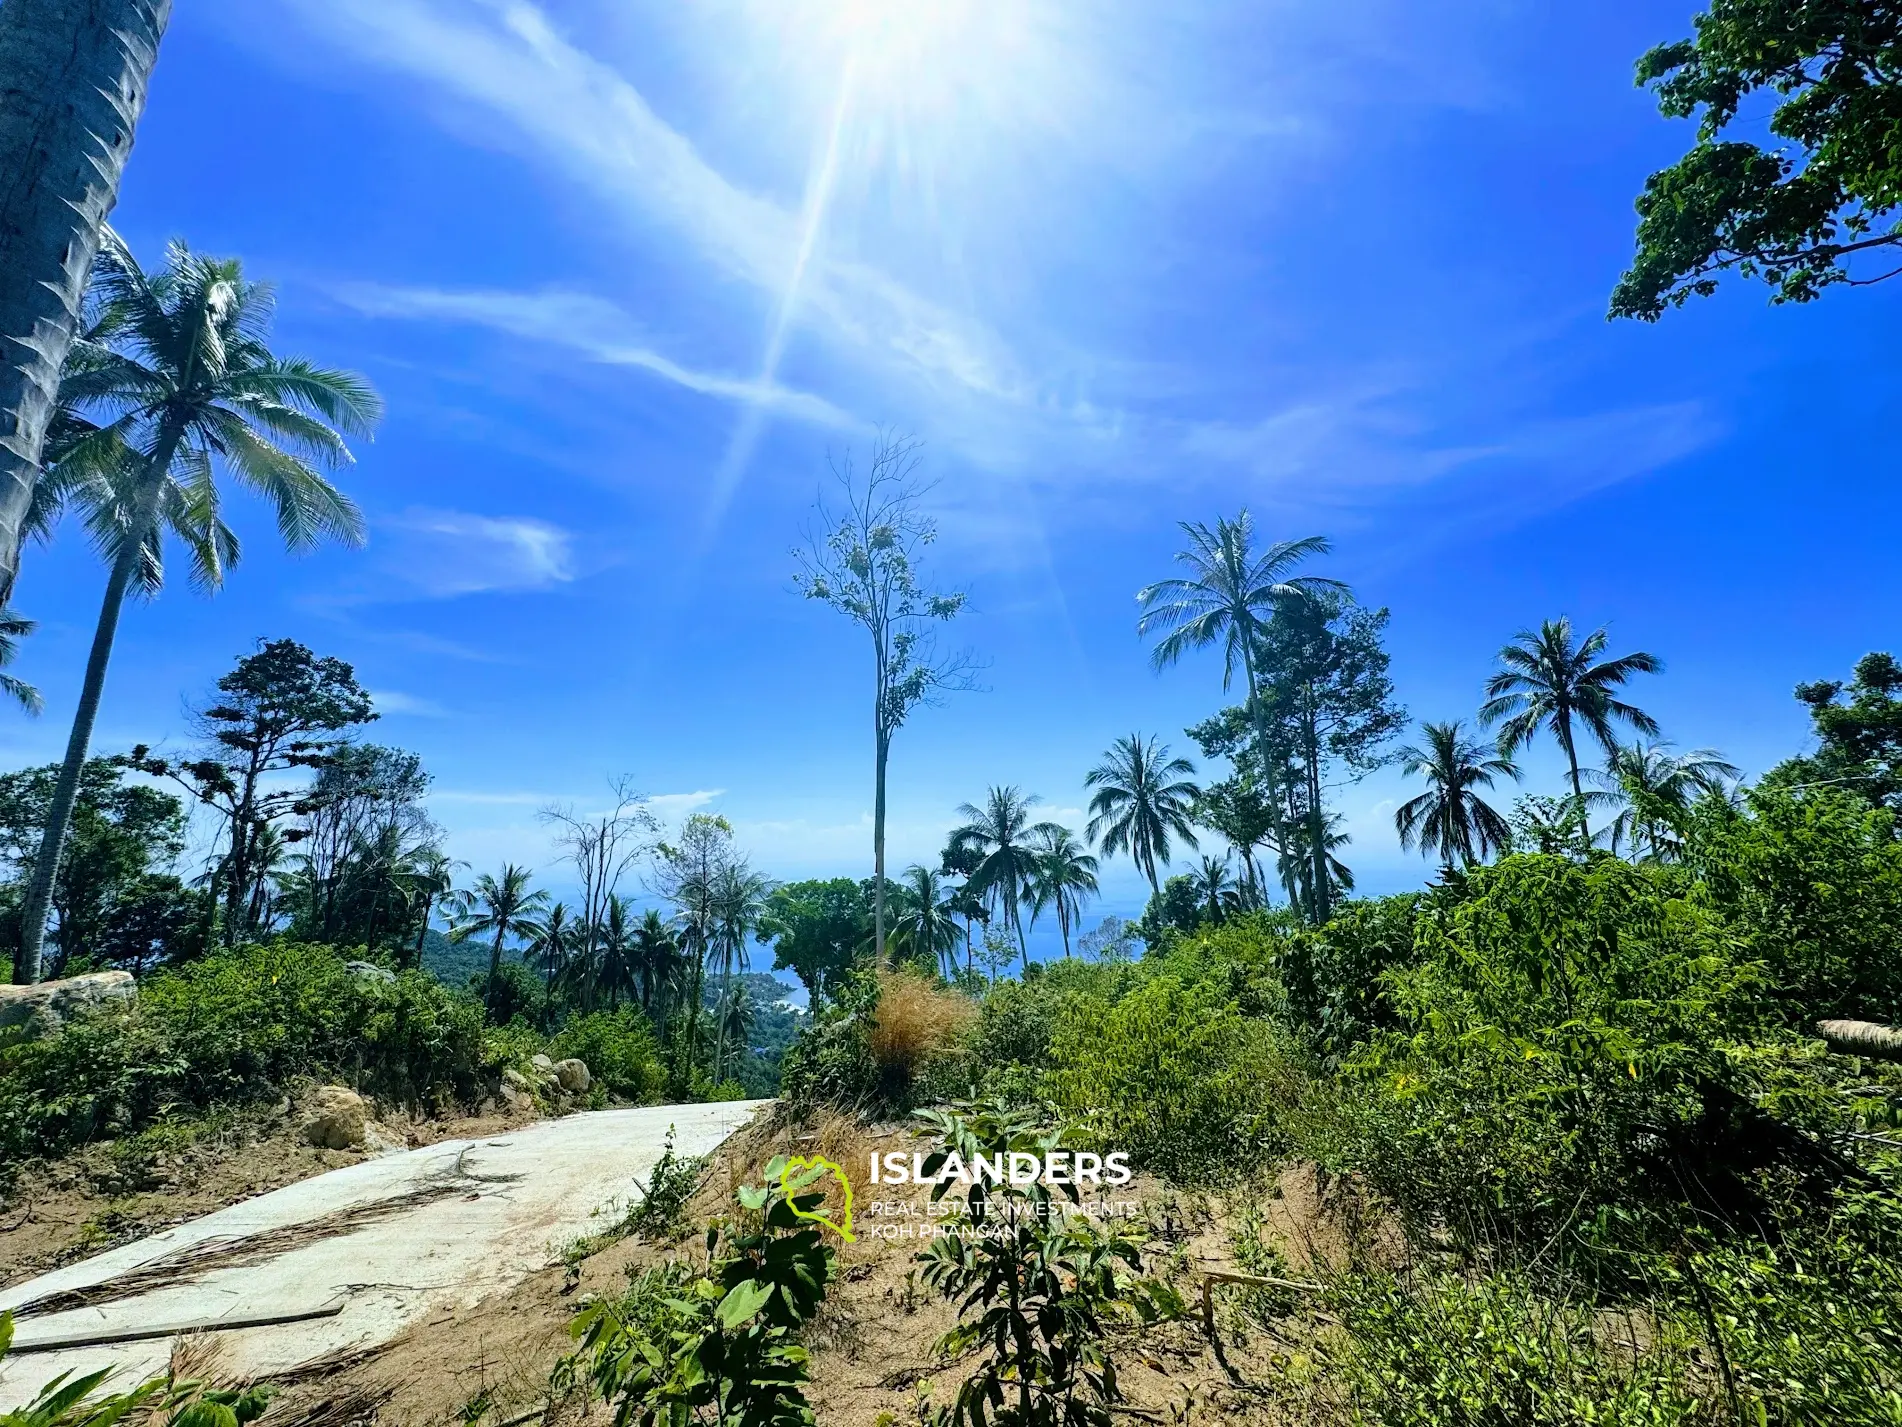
[(799, 1175)]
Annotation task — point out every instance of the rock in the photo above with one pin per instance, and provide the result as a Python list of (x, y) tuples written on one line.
[(517, 1100), (542, 1062), (573, 1075), (41, 1010), (336, 1118), (371, 971), (513, 1079)]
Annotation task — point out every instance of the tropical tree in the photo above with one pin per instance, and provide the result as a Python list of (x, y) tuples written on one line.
[(1228, 596), (76, 78), (739, 897), (187, 386), (1142, 797), (551, 941), (1004, 841), (1553, 680), (1214, 885), (498, 907), (865, 566), (1061, 878), (657, 960), (13, 629), (1653, 787), (615, 953), (434, 878), (736, 1017), (1450, 817), (925, 920)]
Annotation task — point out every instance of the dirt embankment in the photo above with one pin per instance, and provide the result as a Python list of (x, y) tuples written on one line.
[(107, 1194), (873, 1344)]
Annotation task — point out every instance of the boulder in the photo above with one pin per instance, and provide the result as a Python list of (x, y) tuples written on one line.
[(336, 1118), (542, 1062), (516, 1100), (513, 1079), (370, 971), (41, 1010), (573, 1075)]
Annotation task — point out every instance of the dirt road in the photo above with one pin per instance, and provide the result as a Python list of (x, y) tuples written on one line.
[(351, 1257)]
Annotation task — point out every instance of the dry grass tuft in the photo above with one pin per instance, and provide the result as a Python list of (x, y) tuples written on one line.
[(917, 1018)]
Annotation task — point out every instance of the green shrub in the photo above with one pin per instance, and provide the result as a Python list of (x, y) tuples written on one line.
[(620, 1051), (236, 1027), (1334, 976), (1439, 1350), (1812, 885), (830, 1062), (1173, 1074)]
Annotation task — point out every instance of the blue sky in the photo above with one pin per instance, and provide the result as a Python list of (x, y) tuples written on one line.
[(626, 274)]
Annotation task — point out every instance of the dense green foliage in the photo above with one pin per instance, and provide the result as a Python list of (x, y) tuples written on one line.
[(1794, 215)]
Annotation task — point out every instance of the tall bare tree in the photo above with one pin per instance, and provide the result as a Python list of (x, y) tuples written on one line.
[(73, 76), (602, 845), (863, 562)]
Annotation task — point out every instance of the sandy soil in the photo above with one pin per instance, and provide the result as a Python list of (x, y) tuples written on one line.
[(490, 1364)]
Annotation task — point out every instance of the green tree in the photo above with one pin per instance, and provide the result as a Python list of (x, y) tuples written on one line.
[(124, 840), (925, 925), (1654, 789), (1229, 597), (1329, 699), (657, 961), (1142, 797), (1061, 877), (1555, 681), (76, 79), (616, 953), (1236, 808), (865, 566), (13, 628), (740, 901), (1450, 817), (189, 386), (433, 878), (551, 941), (816, 929), (1859, 738), (690, 873), (499, 907), (1004, 838), (1214, 886), (1794, 215)]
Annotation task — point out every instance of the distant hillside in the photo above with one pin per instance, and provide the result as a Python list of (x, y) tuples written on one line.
[(454, 962)]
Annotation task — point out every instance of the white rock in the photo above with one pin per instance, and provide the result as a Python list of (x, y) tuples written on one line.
[(336, 1118), (44, 1008), (573, 1075)]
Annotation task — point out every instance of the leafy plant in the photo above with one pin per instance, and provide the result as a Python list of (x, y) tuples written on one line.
[(719, 1346), (168, 1401), (1036, 1288)]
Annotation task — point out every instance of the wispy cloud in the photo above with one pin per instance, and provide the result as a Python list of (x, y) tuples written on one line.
[(507, 58), (444, 553), (676, 805), (392, 701), (579, 322)]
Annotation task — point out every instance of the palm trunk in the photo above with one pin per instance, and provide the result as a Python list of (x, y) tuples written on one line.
[(884, 746), (422, 933), (495, 970), (1578, 791), (73, 76), (59, 816), (1271, 790), (1317, 819)]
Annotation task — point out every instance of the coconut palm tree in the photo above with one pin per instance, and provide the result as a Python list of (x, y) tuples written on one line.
[(736, 1017), (1652, 785), (1142, 796), (1297, 862), (434, 877), (76, 80), (1061, 878), (1001, 836), (925, 923), (1553, 680), (1227, 597), (501, 907), (1214, 885), (187, 387), (551, 941), (657, 959), (12, 629), (739, 901), (1450, 817), (616, 953)]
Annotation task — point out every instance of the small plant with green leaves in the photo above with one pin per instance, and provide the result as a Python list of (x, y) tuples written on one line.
[(168, 1401), (719, 1347), (1037, 1288)]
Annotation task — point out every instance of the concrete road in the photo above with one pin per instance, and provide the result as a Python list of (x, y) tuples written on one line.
[(387, 1241)]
